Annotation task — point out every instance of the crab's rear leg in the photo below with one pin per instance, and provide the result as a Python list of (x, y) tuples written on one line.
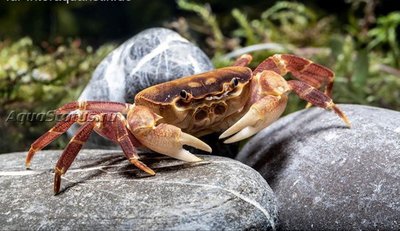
[(317, 98), (97, 106), (162, 138), (243, 60), (56, 131), (71, 151), (127, 141), (302, 69)]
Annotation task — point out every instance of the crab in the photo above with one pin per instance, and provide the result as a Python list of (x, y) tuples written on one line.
[(235, 100)]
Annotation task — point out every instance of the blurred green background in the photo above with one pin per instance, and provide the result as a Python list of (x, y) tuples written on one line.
[(48, 50)]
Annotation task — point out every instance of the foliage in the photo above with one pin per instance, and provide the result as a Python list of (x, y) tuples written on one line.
[(34, 79)]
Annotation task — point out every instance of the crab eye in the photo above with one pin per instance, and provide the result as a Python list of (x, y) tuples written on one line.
[(235, 82), (183, 94)]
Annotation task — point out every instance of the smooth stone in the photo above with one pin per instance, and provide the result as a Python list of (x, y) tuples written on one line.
[(327, 176), (151, 57), (102, 190)]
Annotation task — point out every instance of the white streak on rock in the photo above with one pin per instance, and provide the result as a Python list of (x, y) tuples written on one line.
[(114, 75), (195, 64), (330, 136), (235, 193), (19, 173), (158, 50)]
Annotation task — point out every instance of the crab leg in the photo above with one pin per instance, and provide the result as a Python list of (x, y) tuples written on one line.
[(162, 138), (317, 98), (70, 152), (125, 141), (243, 60), (268, 101), (98, 106), (56, 131), (302, 69)]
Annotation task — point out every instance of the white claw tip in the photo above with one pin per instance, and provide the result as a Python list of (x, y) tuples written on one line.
[(194, 142), (185, 155)]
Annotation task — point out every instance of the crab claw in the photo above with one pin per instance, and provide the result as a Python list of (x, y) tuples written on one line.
[(169, 140), (190, 140), (260, 115), (163, 138), (244, 128)]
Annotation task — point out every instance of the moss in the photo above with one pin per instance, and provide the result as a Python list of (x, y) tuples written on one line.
[(35, 78)]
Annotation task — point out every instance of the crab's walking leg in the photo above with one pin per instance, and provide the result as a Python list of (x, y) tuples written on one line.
[(98, 106), (56, 131), (243, 60), (70, 152), (125, 141), (162, 138), (302, 69), (317, 98)]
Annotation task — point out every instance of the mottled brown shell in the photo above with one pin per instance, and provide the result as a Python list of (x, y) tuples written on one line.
[(198, 100), (199, 86)]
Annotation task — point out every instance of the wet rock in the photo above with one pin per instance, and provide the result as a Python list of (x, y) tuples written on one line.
[(103, 191), (326, 176), (153, 56)]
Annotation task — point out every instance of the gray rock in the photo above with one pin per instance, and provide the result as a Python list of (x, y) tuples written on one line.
[(326, 176), (153, 56), (103, 191)]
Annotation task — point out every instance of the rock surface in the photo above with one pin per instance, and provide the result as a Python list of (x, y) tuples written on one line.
[(153, 56), (103, 191), (326, 176)]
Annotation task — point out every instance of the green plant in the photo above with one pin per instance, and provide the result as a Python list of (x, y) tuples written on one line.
[(384, 35), (204, 11), (34, 79)]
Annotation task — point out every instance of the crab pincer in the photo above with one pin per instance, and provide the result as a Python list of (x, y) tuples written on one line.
[(163, 138)]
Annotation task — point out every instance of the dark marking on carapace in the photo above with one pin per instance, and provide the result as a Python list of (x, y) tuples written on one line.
[(219, 109), (200, 114), (169, 91)]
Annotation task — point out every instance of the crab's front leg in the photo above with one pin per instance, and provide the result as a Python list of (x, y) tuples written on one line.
[(162, 138), (267, 103)]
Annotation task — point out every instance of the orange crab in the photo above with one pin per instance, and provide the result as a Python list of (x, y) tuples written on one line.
[(234, 100)]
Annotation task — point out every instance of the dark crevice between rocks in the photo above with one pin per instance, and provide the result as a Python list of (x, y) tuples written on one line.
[(217, 145), (275, 159)]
